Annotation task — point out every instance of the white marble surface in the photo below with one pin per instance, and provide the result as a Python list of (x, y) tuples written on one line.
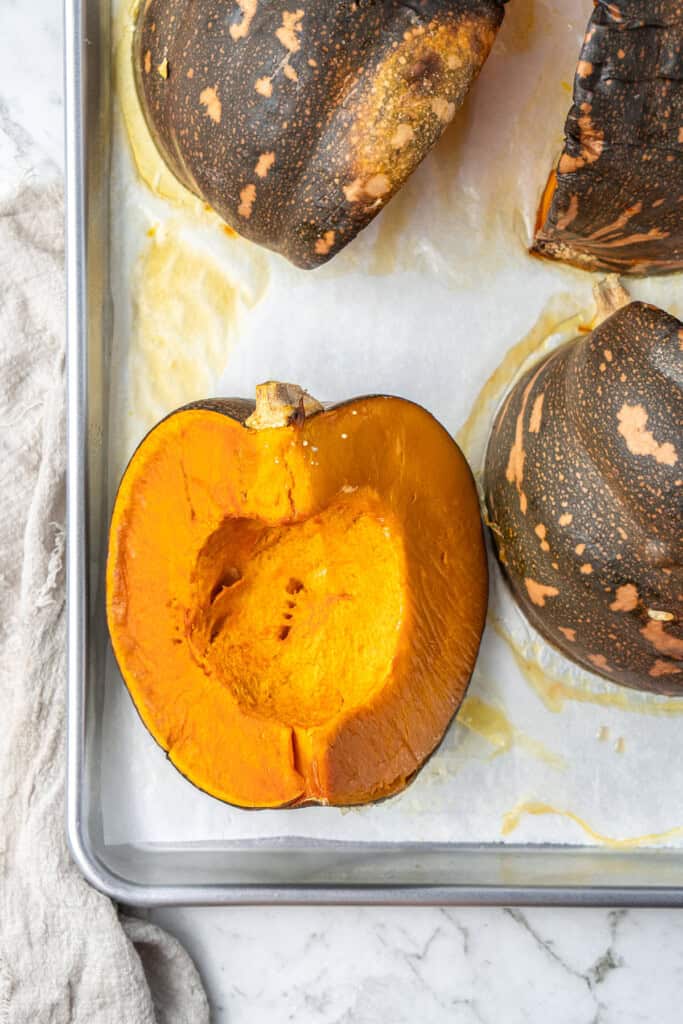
[(361, 966), (432, 966)]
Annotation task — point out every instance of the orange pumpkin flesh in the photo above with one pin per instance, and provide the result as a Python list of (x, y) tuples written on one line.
[(296, 610)]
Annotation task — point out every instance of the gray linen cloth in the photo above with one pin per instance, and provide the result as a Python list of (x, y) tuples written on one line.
[(66, 957)]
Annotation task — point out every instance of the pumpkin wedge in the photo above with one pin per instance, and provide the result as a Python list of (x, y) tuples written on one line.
[(615, 201), (584, 485), (296, 596), (298, 122)]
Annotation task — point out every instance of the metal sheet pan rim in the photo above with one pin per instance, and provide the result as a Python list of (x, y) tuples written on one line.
[(77, 55)]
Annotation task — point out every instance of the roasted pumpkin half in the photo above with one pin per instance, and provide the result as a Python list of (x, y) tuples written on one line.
[(295, 596), (584, 485), (615, 201), (298, 122)]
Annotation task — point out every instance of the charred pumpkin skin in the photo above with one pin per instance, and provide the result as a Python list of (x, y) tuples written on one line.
[(615, 201), (237, 753), (584, 486), (298, 122)]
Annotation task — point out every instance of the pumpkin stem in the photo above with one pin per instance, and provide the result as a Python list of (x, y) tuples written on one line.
[(281, 405), (610, 295)]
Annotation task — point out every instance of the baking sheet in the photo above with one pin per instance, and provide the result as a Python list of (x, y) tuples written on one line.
[(437, 301)]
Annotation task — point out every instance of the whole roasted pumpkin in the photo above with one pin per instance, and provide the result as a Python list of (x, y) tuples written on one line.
[(615, 201), (295, 596), (298, 122), (584, 485)]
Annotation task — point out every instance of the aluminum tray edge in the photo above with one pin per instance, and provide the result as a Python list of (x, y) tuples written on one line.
[(77, 54)]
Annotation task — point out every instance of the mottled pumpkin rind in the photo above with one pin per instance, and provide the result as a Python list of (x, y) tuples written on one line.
[(584, 487), (615, 201), (298, 122)]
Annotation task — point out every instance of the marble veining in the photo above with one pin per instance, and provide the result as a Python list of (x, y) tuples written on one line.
[(366, 965), (435, 965)]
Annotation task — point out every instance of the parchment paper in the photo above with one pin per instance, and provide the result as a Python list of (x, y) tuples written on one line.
[(428, 303)]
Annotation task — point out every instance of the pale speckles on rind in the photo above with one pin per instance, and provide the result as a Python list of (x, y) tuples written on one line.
[(645, 236), (264, 164), (600, 241), (640, 441), (324, 244), (264, 86), (586, 569), (540, 532), (209, 98), (664, 668), (536, 414), (247, 199), (539, 592), (600, 662), (655, 634), (241, 29), (626, 598), (565, 519), (616, 225), (592, 144), (569, 634), (514, 473), (290, 73), (289, 32)]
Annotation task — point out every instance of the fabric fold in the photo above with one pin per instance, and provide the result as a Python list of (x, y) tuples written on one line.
[(65, 955)]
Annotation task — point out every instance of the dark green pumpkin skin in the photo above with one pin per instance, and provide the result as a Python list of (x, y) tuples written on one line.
[(297, 122), (618, 198), (584, 486)]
